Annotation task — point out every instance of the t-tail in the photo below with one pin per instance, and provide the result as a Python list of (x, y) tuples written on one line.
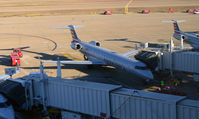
[(73, 32), (175, 24), (176, 27), (177, 32)]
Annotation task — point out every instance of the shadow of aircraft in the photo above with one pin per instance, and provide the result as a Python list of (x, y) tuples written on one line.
[(102, 74), (129, 47), (43, 56), (5, 60), (123, 39)]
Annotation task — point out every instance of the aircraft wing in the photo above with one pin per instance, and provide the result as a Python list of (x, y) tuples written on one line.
[(128, 54), (4, 77), (77, 62)]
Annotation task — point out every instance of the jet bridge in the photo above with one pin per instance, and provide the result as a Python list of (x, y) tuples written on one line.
[(150, 58), (183, 59), (14, 91), (82, 98), (180, 60), (170, 57)]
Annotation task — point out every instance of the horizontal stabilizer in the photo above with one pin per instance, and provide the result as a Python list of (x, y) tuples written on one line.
[(4, 77), (76, 62), (172, 21), (69, 27)]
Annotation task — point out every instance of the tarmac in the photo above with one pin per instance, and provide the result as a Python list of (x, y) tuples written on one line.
[(34, 34)]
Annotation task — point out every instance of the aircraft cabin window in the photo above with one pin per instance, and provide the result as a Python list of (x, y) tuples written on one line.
[(141, 67)]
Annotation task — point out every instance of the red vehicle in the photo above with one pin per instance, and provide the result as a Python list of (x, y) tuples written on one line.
[(170, 90), (108, 13), (146, 11), (14, 58), (18, 51), (190, 11)]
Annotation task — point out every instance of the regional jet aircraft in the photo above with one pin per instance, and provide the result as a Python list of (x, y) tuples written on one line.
[(95, 55), (190, 37)]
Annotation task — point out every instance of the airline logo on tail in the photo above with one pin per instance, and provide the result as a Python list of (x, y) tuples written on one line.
[(73, 33), (176, 27), (74, 36), (175, 24)]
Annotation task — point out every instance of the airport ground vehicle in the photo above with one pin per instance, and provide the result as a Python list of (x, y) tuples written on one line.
[(170, 90), (18, 51), (196, 12), (108, 13), (146, 11), (193, 11), (14, 59)]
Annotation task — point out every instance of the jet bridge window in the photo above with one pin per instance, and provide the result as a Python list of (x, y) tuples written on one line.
[(5, 104), (141, 67)]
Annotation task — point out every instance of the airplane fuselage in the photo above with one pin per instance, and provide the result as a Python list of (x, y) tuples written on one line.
[(97, 55), (189, 38), (115, 59)]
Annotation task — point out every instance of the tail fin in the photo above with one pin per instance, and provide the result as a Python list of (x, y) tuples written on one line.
[(175, 24), (176, 27), (73, 32)]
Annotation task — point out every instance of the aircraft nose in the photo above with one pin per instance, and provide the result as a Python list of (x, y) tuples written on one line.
[(147, 74)]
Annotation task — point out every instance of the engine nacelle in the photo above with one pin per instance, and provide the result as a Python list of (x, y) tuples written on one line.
[(96, 43), (76, 46), (183, 37)]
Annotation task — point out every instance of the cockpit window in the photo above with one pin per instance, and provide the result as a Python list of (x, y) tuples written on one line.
[(4, 105), (141, 67)]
